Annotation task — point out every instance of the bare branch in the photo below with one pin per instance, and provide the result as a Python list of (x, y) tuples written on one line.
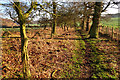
[(47, 10), (116, 2), (106, 7), (15, 19), (33, 5)]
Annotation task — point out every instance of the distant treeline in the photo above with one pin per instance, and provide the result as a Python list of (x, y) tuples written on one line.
[(114, 15)]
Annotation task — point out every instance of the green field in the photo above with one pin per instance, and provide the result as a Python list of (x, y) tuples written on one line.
[(33, 24), (113, 22)]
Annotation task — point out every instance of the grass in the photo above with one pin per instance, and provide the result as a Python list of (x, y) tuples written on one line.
[(11, 29), (113, 22), (18, 29), (99, 63), (73, 69), (100, 69), (33, 24)]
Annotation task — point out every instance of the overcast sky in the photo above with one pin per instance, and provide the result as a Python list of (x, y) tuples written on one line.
[(109, 10)]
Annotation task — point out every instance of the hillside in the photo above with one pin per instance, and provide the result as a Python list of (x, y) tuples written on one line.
[(115, 15), (7, 23)]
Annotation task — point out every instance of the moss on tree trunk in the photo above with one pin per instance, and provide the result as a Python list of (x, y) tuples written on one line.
[(67, 27), (54, 18), (87, 24), (96, 19), (53, 27), (64, 26), (22, 16), (84, 17), (24, 53)]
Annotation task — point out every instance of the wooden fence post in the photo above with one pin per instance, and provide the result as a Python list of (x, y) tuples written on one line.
[(107, 30), (102, 29), (112, 32), (117, 31), (118, 37), (99, 29)]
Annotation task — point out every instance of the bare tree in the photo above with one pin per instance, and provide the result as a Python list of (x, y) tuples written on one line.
[(98, 9), (96, 19), (19, 12)]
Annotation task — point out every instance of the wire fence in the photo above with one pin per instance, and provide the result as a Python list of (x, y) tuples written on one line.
[(114, 33)]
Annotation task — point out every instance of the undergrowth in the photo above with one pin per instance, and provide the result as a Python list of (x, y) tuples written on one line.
[(99, 63), (73, 69)]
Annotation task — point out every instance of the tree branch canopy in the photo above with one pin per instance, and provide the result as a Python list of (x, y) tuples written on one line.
[(19, 11), (46, 10), (21, 15), (33, 6), (12, 17)]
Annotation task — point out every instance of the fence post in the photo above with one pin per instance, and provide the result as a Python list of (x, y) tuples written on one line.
[(99, 28), (109, 30), (106, 29), (117, 37), (112, 32), (117, 31), (102, 29)]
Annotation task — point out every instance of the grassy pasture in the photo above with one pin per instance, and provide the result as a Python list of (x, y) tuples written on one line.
[(113, 22), (18, 29)]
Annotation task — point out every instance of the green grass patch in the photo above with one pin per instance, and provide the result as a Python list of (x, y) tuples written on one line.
[(11, 29), (73, 69), (18, 29), (99, 63), (113, 22)]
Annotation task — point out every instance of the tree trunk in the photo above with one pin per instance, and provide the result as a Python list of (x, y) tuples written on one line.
[(67, 27), (75, 24), (84, 23), (54, 18), (64, 26), (53, 27), (24, 53), (87, 24), (84, 17), (96, 18), (45, 26), (22, 16)]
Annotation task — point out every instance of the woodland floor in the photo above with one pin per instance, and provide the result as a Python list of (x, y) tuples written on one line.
[(68, 55)]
